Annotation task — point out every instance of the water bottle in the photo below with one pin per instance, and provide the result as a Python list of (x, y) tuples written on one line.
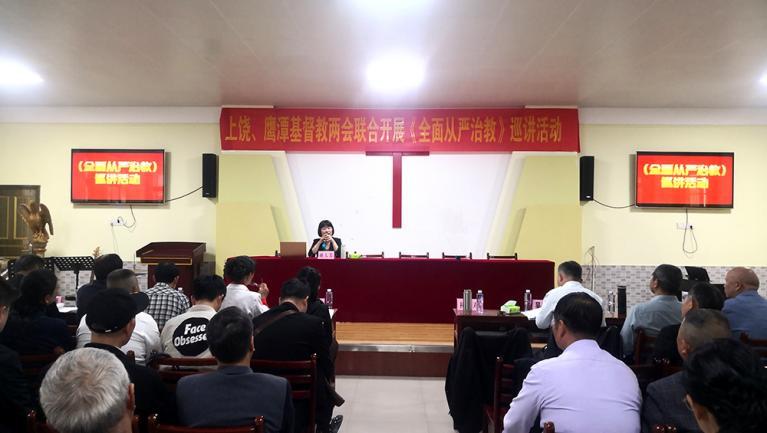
[(329, 298), (467, 301), (611, 302), (480, 302), (528, 300)]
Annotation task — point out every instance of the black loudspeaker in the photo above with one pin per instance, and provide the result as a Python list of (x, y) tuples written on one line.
[(622, 301), (587, 178), (209, 175)]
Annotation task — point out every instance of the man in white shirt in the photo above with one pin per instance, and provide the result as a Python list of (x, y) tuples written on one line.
[(185, 334), (583, 390), (570, 276), (240, 271), (145, 339)]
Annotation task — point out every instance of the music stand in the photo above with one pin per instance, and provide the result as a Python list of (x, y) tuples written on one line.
[(74, 264)]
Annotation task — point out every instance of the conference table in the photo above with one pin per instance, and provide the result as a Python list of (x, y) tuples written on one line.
[(493, 320), (410, 290)]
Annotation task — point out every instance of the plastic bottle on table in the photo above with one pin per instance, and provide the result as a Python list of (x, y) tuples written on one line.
[(329, 298), (528, 300), (611, 302), (480, 302)]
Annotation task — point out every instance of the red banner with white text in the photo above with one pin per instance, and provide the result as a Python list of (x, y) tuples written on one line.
[(393, 130)]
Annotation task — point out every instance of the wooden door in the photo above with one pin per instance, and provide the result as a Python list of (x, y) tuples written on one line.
[(13, 231)]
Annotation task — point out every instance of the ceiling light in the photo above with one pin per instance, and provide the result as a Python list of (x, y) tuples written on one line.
[(387, 7), (14, 74), (763, 80), (395, 73)]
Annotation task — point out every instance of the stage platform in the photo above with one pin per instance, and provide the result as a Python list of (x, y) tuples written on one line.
[(393, 349)]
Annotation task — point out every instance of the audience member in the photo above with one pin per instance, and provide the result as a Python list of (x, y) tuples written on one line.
[(111, 318), (584, 389), (102, 266), (744, 307), (234, 395), (165, 300), (14, 391), (726, 388), (185, 334), (287, 333), (24, 265), (569, 274), (664, 400), (312, 278), (662, 310), (701, 295), (88, 391), (240, 271), (30, 330), (145, 338)]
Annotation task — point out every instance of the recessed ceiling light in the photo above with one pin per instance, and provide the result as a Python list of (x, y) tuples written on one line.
[(14, 74), (395, 73), (763, 80)]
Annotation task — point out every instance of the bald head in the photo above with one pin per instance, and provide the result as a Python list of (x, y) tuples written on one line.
[(123, 279), (739, 280), (701, 326)]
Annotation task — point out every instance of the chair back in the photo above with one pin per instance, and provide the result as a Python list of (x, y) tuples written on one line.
[(643, 347), (664, 428), (646, 374), (413, 256), (609, 339), (454, 256), (548, 427), (33, 426), (171, 370), (302, 376), (758, 346), (514, 256), (32, 367), (156, 427), (667, 368), (503, 392)]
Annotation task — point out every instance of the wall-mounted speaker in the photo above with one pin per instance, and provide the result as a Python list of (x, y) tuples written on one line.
[(587, 178), (209, 175)]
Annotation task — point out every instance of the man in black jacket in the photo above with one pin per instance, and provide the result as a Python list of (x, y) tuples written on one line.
[(14, 390), (287, 333), (111, 319), (101, 269)]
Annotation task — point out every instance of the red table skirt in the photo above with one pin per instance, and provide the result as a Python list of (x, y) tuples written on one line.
[(410, 290)]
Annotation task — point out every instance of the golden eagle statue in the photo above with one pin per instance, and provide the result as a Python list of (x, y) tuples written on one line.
[(37, 216)]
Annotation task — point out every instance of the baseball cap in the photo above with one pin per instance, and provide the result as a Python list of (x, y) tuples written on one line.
[(112, 309)]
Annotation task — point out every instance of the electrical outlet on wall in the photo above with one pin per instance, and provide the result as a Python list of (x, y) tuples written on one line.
[(681, 226), (119, 221)]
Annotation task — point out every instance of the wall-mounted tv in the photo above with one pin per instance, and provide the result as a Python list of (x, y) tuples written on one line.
[(685, 179), (118, 176)]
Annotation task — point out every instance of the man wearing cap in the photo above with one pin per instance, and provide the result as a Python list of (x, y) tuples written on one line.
[(111, 318), (145, 339)]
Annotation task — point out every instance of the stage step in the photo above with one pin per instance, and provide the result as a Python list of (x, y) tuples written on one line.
[(393, 349)]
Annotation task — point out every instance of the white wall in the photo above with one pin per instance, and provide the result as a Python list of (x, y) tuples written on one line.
[(448, 203)]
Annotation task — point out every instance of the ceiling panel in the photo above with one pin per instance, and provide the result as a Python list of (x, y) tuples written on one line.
[(620, 53)]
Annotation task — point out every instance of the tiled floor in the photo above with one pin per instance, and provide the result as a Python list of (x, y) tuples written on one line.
[(393, 405)]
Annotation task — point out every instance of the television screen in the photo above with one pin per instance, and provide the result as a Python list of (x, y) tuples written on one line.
[(118, 176), (685, 179)]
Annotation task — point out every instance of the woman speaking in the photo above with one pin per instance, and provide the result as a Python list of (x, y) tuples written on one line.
[(326, 241)]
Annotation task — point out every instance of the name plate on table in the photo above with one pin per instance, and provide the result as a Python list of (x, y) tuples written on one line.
[(459, 304), (326, 255)]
